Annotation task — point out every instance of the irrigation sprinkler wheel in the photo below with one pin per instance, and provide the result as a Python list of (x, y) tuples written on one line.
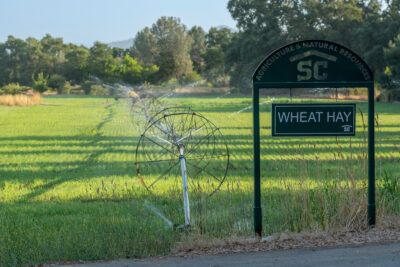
[(143, 109), (170, 110), (157, 152)]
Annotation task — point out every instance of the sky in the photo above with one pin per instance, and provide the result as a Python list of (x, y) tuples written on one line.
[(87, 21)]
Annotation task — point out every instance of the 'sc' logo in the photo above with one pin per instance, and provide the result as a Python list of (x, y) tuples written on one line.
[(309, 69)]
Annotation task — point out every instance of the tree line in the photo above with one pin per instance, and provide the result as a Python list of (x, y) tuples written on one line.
[(166, 53), (369, 27), (49, 63), (169, 53)]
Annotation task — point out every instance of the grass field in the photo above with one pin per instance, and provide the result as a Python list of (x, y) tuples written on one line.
[(69, 189)]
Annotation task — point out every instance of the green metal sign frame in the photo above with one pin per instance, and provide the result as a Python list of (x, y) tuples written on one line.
[(312, 64)]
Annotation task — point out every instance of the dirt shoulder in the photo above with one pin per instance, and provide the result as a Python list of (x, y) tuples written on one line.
[(371, 247)]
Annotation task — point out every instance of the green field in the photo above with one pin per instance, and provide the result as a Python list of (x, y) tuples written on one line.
[(69, 188)]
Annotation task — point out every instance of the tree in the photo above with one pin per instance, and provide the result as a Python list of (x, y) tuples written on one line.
[(166, 44), (76, 63), (101, 62), (145, 47), (265, 25), (4, 65), (132, 71), (219, 37), (52, 54), (390, 78), (198, 48), (23, 58), (392, 57), (119, 52), (217, 41), (149, 73)]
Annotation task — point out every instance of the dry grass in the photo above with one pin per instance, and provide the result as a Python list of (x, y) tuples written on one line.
[(20, 100), (190, 246)]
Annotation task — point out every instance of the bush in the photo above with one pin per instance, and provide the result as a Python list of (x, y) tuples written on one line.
[(40, 84), (192, 77), (217, 78), (389, 95), (149, 73), (67, 88), (99, 90), (172, 83), (56, 82), (13, 89), (87, 87), (77, 91), (208, 84)]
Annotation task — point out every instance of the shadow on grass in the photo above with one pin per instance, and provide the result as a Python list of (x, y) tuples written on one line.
[(88, 160), (240, 147), (280, 151)]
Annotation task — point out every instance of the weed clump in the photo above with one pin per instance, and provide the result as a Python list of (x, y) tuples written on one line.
[(20, 100)]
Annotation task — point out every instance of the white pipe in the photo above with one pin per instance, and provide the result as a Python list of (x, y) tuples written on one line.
[(185, 186)]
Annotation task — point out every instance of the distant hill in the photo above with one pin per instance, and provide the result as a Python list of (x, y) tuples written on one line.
[(124, 44)]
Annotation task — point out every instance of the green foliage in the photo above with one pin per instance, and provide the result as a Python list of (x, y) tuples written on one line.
[(13, 89), (56, 82), (219, 37), (67, 88), (390, 78), (40, 84), (87, 87), (266, 25), (198, 48), (392, 56), (99, 90), (389, 95), (168, 49), (192, 77), (390, 185), (101, 62), (215, 56), (172, 83), (21, 60), (4, 65), (115, 91), (149, 74), (166, 44), (215, 65), (163, 51), (132, 71), (76, 63)]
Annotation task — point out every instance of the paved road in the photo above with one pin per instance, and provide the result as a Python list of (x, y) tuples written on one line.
[(386, 255)]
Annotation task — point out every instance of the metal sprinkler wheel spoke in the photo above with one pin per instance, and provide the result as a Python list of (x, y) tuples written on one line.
[(180, 135), (143, 109)]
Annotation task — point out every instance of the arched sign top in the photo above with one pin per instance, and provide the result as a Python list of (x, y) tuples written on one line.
[(313, 61)]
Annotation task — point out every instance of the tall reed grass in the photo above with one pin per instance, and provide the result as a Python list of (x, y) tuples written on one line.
[(20, 100)]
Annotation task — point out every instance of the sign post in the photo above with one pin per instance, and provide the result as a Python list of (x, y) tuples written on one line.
[(313, 64)]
